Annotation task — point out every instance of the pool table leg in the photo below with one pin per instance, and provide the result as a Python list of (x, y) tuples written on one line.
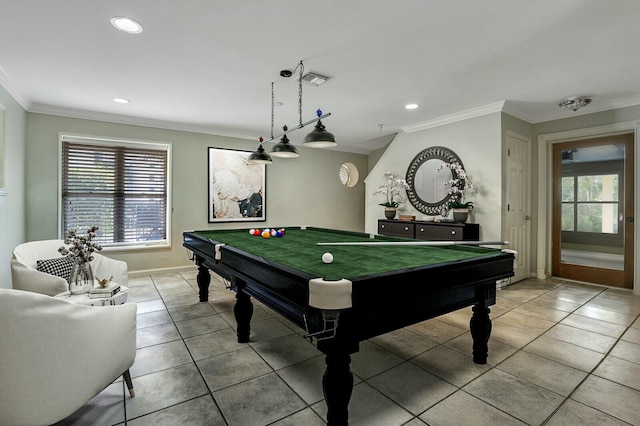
[(243, 311), (204, 279), (480, 331), (337, 385)]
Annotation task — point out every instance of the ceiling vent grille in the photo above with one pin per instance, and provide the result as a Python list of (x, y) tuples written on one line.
[(314, 79)]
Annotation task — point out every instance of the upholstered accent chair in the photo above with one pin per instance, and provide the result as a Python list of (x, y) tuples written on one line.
[(26, 276), (56, 355)]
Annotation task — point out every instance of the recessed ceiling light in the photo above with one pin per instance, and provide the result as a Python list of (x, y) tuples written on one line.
[(126, 25), (411, 106), (121, 100)]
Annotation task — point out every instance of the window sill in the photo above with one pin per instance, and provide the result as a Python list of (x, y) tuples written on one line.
[(136, 247)]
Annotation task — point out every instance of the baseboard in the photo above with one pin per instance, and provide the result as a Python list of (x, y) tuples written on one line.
[(500, 284)]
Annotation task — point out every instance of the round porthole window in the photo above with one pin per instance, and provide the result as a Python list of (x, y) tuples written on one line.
[(348, 175)]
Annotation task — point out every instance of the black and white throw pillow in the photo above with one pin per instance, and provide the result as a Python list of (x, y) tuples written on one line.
[(60, 266)]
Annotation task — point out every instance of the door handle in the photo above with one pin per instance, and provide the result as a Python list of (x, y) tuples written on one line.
[(630, 219)]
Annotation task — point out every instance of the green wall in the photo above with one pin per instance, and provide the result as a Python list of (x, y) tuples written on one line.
[(302, 191), (12, 201)]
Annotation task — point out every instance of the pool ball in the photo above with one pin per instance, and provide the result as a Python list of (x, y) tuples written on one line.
[(327, 257), (251, 231), (266, 234), (279, 234), (256, 232)]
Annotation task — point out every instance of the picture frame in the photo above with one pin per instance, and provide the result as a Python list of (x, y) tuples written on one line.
[(236, 189)]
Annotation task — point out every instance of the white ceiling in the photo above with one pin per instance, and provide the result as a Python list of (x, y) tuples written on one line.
[(207, 65)]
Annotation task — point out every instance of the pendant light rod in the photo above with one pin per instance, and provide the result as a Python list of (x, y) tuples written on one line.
[(299, 126)]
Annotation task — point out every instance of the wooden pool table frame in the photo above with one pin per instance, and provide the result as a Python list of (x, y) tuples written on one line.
[(380, 303)]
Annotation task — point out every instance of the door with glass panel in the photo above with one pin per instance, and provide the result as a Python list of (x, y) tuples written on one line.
[(593, 210)]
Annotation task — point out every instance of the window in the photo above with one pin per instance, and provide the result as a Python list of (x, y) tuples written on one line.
[(120, 186), (590, 203)]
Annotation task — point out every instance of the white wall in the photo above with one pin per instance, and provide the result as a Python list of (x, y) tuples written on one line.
[(12, 201), (478, 143), (301, 191)]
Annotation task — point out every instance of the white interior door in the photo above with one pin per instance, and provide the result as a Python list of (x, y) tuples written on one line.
[(518, 202)]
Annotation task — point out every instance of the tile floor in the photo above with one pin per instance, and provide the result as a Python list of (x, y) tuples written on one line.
[(560, 353)]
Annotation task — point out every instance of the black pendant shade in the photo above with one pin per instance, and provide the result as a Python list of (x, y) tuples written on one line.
[(320, 137), (284, 149), (259, 156)]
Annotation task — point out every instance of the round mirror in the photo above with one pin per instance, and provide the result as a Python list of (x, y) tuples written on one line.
[(428, 189)]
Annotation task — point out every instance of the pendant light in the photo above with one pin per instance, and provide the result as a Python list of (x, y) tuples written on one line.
[(282, 149), (320, 137), (259, 156)]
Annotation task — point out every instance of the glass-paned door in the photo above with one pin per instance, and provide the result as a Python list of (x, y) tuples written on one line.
[(593, 210)]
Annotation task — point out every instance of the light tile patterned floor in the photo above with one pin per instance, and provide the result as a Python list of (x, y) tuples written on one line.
[(560, 354)]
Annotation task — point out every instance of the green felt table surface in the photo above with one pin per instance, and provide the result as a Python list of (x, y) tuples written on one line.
[(298, 249)]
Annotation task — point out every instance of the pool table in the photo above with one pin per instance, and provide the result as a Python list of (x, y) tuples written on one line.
[(367, 290)]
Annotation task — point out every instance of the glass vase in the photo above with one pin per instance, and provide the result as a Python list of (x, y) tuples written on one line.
[(81, 278)]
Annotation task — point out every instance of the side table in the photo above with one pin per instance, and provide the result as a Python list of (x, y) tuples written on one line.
[(83, 298)]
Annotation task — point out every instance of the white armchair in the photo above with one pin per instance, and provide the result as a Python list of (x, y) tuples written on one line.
[(25, 276), (56, 355)]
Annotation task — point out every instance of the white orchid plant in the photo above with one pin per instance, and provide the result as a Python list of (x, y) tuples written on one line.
[(391, 189), (461, 185)]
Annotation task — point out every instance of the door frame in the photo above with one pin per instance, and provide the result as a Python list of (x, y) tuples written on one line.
[(545, 188), (599, 275)]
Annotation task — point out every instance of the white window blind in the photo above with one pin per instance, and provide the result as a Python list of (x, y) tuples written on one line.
[(120, 188)]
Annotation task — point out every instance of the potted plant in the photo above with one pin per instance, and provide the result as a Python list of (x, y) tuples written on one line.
[(460, 185), (391, 190), (460, 210)]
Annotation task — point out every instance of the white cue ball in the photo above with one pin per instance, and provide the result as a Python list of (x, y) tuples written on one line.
[(327, 257)]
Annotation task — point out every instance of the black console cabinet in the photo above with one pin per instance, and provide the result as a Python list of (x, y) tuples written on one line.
[(430, 231)]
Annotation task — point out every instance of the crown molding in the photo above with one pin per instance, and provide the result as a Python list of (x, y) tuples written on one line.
[(455, 117), (5, 81), (509, 108), (139, 121), (512, 110), (159, 124), (594, 107)]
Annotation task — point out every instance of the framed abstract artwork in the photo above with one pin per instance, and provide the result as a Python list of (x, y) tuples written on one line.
[(237, 189)]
